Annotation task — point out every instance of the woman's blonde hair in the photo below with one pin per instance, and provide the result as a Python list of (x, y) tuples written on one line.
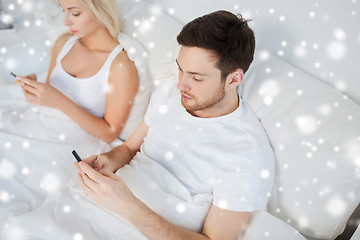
[(107, 13)]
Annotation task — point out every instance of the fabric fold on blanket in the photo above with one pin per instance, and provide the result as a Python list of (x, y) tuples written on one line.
[(164, 193)]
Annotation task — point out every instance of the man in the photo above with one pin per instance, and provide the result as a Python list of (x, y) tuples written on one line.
[(216, 143)]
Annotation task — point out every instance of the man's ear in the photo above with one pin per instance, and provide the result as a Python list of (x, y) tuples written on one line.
[(234, 78)]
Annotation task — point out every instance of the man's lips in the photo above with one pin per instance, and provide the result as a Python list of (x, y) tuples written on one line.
[(183, 96)]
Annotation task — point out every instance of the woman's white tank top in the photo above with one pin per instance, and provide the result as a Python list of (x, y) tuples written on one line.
[(88, 93)]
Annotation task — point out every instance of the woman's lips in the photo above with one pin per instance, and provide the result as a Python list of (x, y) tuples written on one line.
[(73, 31)]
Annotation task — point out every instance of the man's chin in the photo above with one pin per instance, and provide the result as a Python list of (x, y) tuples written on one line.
[(185, 104), (188, 107)]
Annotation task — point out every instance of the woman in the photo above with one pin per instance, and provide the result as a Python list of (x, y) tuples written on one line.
[(90, 78), (90, 86)]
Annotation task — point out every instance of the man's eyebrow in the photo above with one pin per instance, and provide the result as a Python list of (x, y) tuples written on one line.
[(194, 73)]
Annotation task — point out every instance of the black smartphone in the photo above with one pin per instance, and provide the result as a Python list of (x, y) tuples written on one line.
[(76, 155)]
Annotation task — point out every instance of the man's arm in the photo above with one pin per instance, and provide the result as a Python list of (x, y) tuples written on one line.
[(219, 224), (120, 155), (224, 224), (110, 192)]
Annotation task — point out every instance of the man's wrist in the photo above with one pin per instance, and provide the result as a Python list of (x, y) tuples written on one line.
[(118, 158), (133, 210)]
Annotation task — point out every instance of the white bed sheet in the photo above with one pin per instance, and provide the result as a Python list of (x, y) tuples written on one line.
[(35, 151)]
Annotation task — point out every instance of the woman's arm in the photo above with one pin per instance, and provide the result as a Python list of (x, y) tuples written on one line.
[(122, 89)]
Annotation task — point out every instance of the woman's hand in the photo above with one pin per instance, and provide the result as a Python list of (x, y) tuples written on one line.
[(39, 93), (31, 76)]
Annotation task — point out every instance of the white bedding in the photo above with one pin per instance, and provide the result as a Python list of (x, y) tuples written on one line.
[(35, 151), (40, 197)]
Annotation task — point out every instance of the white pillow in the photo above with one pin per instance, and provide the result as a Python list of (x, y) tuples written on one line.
[(156, 31), (263, 225), (149, 37), (315, 133)]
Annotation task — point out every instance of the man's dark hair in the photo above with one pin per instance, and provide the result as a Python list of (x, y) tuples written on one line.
[(226, 35)]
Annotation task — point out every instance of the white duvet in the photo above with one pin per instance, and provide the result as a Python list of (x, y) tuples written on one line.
[(40, 197)]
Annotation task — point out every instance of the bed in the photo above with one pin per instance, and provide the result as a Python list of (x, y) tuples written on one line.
[(309, 107)]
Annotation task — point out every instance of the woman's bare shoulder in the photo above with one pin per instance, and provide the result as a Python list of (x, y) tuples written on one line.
[(123, 63), (124, 72)]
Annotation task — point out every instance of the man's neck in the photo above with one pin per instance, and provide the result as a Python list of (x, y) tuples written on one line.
[(226, 106)]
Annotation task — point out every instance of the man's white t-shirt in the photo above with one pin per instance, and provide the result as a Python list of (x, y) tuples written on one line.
[(229, 156)]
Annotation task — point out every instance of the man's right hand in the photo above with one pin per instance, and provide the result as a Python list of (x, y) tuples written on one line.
[(121, 155), (103, 163)]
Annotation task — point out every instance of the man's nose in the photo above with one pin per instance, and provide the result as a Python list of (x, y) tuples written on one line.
[(183, 84)]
